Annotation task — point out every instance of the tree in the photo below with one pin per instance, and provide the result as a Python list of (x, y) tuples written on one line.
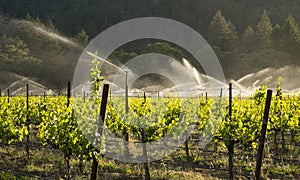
[(38, 21), (14, 55), (221, 32), (51, 26), (264, 30), (277, 37), (290, 35), (29, 18), (82, 37), (165, 48), (248, 40)]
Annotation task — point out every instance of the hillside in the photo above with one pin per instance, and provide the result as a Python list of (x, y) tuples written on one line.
[(246, 36), (50, 57)]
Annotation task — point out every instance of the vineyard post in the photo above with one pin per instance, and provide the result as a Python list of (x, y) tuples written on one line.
[(100, 128), (230, 101), (83, 96), (145, 154), (44, 95), (263, 135), (221, 92), (231, 144), (27, 120), (68, 93), (0, 92), (110, 94), (186, 148), (124, 133), (7, 95), (206, 96), (126, 92)]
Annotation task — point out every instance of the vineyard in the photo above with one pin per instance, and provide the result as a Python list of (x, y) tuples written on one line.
[(33, 128)]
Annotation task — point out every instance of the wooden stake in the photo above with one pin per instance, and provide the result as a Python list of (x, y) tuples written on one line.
[(101, 121), (263, 135)]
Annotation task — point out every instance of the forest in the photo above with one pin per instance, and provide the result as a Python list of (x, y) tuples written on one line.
[(246, 36)]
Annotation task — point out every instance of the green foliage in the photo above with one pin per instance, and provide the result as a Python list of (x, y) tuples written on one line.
[(221, 32), (82, 37), (264, 30), (248, 39), (243, 126), (52, 27), (16, 57), (289, 35), (95, 80), (62, 127), (14, 51), (28, 18), (165, 48), (12, 120)]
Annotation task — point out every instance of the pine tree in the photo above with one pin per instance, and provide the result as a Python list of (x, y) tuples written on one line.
[(14, 55), (51, 26), (248, 40), (221, 32), (230, 36), (277, 37), (290, 32), (29, 18), (38, 21), (82, 37), (264, 30)]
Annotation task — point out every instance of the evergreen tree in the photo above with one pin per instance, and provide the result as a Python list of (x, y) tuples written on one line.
[(29, 18), (14, 55), (82, 37), (38, 21), (221, 32), (248, 40), (51, 26), (290, 40), (277, 37), (264, 30), (165, 48)]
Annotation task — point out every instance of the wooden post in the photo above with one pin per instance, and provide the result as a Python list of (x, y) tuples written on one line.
[(206, 96), (83, 96), (27, 120), (101, 121), (231, 144), (110, 94), (186, 148), (0, 92), (230, 101), (103, 108), (68, 94), (263, 135), (126, 93), (221, 92), (7, 95), (145, 155)]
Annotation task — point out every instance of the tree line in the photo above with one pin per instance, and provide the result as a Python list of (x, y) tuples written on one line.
[(246, 36)]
